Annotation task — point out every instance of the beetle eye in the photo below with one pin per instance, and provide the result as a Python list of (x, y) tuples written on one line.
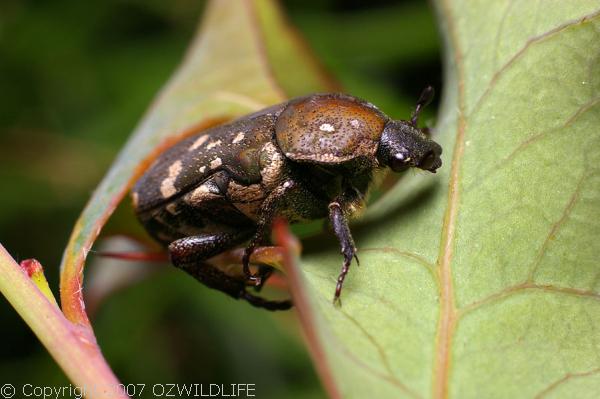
[(398, 163), (427, 161)]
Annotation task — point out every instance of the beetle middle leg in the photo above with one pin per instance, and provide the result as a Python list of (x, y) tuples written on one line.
[(266, 258), (268, 212)]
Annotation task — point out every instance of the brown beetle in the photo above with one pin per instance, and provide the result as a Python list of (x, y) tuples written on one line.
[(308, 158)]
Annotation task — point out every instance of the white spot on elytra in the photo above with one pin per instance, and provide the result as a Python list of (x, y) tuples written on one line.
[(213, 144), (327, 127), (203, 189), (271, 170), (167, 187), (136, 199), (238, 138), (215, 163), (200, 194), (201, 140), (202, 169), (355, 123)]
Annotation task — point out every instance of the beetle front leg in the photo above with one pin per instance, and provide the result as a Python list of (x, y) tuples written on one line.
[(339, 223), (268, 211)]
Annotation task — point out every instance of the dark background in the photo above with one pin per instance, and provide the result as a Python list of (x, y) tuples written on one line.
[(75, 78)]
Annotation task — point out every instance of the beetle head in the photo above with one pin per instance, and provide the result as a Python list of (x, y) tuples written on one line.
[(403, 145)]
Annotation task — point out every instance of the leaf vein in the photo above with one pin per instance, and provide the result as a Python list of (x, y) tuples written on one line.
[(522, 287), (530, 42), (505, 162), (564, 379), (410, 255), (366, 367), (556, 226), (382, 355), (499, 33)]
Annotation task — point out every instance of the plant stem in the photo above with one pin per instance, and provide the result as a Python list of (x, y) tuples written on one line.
[(73, 346)]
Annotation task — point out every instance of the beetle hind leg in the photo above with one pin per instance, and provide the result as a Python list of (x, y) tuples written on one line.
[(190, 253), (268, 304), (234, 287), (201, 247)]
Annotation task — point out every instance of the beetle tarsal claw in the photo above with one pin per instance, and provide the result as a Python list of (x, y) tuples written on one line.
[(257, 279), (337, 301)]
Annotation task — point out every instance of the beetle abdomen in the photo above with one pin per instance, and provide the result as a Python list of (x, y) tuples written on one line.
[(234, 147)]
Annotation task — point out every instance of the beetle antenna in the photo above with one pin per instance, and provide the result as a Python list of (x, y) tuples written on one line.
[(424, 100)]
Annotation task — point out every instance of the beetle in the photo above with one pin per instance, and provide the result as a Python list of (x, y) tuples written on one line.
[(308, 158)]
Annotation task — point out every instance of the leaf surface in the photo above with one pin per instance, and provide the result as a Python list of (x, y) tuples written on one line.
[(483, 280)]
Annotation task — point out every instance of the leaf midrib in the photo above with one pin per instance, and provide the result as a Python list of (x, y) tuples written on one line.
[(447, 318)]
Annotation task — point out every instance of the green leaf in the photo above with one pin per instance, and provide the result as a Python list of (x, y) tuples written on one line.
[(483, 281)]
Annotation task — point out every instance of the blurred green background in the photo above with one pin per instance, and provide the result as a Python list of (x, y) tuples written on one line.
[(75, 77)]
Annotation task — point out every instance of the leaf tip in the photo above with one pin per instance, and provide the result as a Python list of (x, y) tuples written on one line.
[(35, 271)]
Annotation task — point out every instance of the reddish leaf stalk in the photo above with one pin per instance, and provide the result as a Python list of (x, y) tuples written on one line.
[(284, 238)]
